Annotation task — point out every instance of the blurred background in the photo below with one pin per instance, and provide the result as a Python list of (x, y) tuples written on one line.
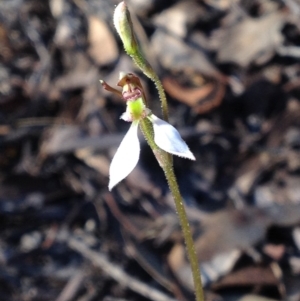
[(231, 72)]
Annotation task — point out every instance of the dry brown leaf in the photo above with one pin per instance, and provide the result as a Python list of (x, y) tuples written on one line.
[(222, 4), (103, 48), (226, 230), (201, 99), (178, 18), (175, 54), (251, 39), (276, 252), (249, 276), (94, 160)]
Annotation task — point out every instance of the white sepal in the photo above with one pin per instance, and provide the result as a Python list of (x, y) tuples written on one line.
[(126, 157), (126, 117), (169, 139)]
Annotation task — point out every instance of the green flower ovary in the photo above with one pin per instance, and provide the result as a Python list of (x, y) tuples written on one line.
[(136, 109)]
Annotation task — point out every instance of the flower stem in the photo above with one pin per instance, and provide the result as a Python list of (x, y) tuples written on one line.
[(185, 226), (164, 161), (124, 27), (143, 64), (162, 97)]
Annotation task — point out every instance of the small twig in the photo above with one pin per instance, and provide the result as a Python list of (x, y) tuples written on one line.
[(116, 273), (72, 287), (291, 51)]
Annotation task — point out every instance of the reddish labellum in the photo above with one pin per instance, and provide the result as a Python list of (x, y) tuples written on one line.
[(132, 87), (132, 94)]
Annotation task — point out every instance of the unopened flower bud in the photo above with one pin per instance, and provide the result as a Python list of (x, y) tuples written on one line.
[(123, 25)]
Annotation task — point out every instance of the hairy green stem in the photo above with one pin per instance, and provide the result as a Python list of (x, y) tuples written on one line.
[(185, 226), (143, 64), (162, 97), (167, 166)]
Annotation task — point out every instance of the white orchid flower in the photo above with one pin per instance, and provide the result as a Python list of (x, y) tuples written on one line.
[(166, 136)]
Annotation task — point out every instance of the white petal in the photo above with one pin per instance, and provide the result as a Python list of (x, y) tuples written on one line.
[(169, 139), (126, 157)]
